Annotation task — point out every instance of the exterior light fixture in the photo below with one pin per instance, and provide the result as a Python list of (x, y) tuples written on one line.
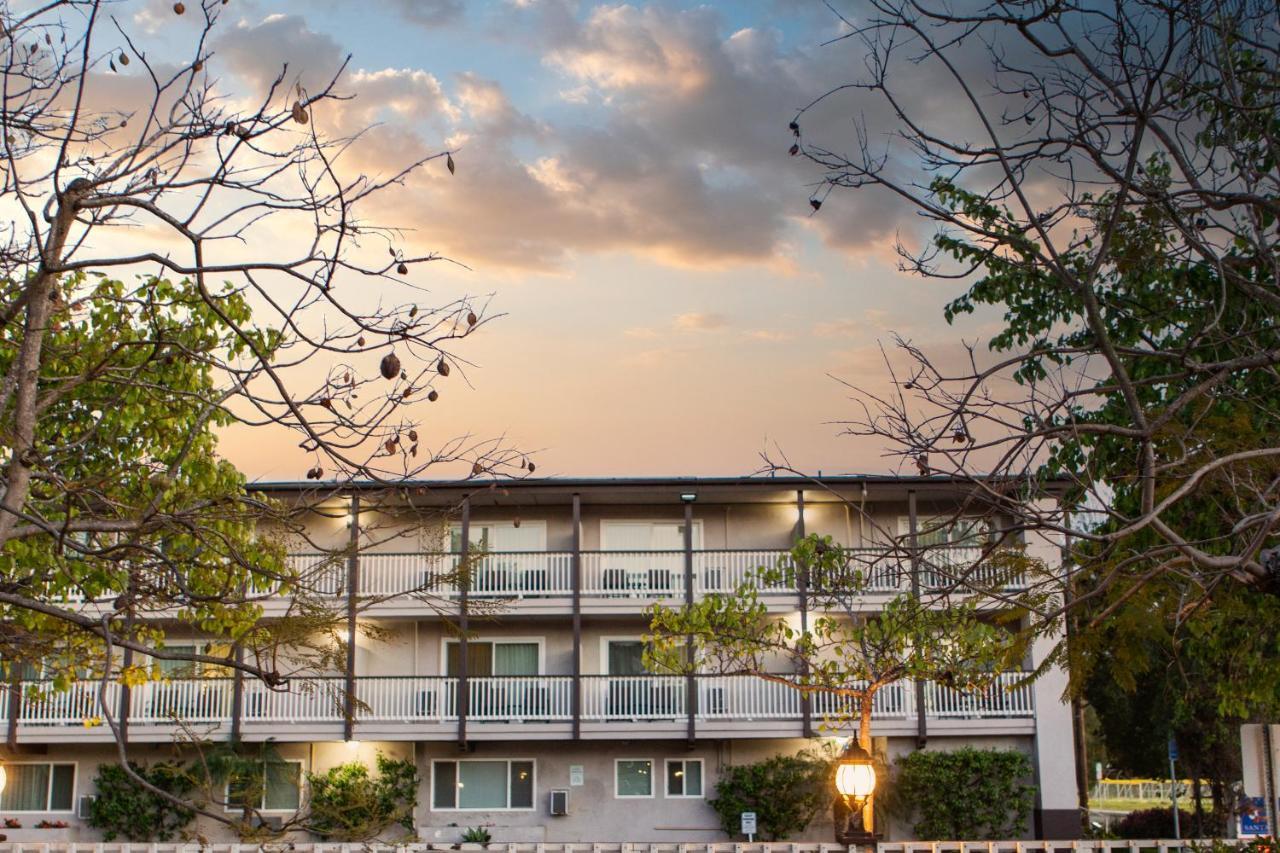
[(688, 497), (4, 778), (855, 782), (855, 775)]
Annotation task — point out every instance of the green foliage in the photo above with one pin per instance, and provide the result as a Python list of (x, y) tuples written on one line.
[(786, 792), (476, 835), (965, 793), (348, 804), (125, 809)]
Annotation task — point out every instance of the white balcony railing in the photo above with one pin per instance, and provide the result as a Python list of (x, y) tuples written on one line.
[(633, 697), (629, 574), (501, 699), (1003, 698)]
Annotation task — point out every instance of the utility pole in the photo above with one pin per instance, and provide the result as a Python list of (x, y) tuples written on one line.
[(1173, 786)]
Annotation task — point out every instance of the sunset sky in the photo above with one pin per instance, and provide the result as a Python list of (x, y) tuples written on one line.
[(625, 194)]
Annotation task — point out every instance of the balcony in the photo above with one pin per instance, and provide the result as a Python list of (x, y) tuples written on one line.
[(427, 707), (619, 576)]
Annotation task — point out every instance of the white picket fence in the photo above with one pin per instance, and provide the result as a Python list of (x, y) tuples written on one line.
[(1164, 845)]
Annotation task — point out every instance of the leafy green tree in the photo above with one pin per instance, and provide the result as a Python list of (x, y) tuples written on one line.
[(176, 266), (1107, 187)]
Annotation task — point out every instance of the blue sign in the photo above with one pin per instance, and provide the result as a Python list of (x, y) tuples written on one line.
[(1253, 819), (1173, 749)]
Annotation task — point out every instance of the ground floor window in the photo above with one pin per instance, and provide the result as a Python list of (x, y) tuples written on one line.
[(684, 777), (38, 787), (277, 787), (633, 777), (477, 785)]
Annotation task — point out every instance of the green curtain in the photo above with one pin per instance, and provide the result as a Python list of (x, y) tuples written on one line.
[(484, 785), (626, 657), (515, 659)]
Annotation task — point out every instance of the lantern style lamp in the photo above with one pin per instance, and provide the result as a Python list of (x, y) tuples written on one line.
[(855, 781), (4, 778)]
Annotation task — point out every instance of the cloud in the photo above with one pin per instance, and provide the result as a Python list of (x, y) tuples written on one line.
[(670, 143), (698, 322), (770, 335), (841, 328), (429, 13)]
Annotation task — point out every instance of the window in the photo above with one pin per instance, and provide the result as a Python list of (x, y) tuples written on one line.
[(633, 777), (474, 785), (498, 657), (276, 787), (38, 787), (501, 536), (684, 777), (183, 668)]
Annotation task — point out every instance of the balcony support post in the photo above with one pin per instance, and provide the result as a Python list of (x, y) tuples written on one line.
[(575, 580), (464, 586), (690, 681), (802, 587), (237, 695), (913, 548), (353, 590), (126, 692), (15, 707)]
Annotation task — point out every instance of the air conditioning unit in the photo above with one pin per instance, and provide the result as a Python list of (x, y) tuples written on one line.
[(261, 821), (84, 808), (560, 802)]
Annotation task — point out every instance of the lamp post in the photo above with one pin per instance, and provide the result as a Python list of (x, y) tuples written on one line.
[(855, 781)]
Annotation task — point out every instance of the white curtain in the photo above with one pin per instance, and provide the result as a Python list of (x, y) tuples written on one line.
[(27, 790)]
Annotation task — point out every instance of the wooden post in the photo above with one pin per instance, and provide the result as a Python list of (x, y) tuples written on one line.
[(690, 680), (575, 579), (237, 695), (464, 578), (913, 546), (802, 585), (353, 590)]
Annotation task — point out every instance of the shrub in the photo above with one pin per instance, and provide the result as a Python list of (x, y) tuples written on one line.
[(476, 835), (1150, 823), (349, 804), (786, 792), (963, 794), (126, 809)]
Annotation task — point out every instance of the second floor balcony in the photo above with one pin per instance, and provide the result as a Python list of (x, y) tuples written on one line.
[(622, 577)]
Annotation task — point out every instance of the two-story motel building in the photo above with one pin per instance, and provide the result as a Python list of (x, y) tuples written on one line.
[(536, 701)]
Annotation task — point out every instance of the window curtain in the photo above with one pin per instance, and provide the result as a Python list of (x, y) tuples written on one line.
[(515, 659), (281, 789), (28, 788), (479, 659), (483, 784), (626, 657)]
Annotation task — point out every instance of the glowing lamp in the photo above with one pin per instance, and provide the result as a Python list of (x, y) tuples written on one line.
[(855, 775)]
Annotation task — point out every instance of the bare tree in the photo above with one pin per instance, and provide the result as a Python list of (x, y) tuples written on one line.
[(1105, 176), (179, 257)]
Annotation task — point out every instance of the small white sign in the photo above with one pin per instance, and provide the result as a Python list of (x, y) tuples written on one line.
[(576, 775), (748, 823)]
